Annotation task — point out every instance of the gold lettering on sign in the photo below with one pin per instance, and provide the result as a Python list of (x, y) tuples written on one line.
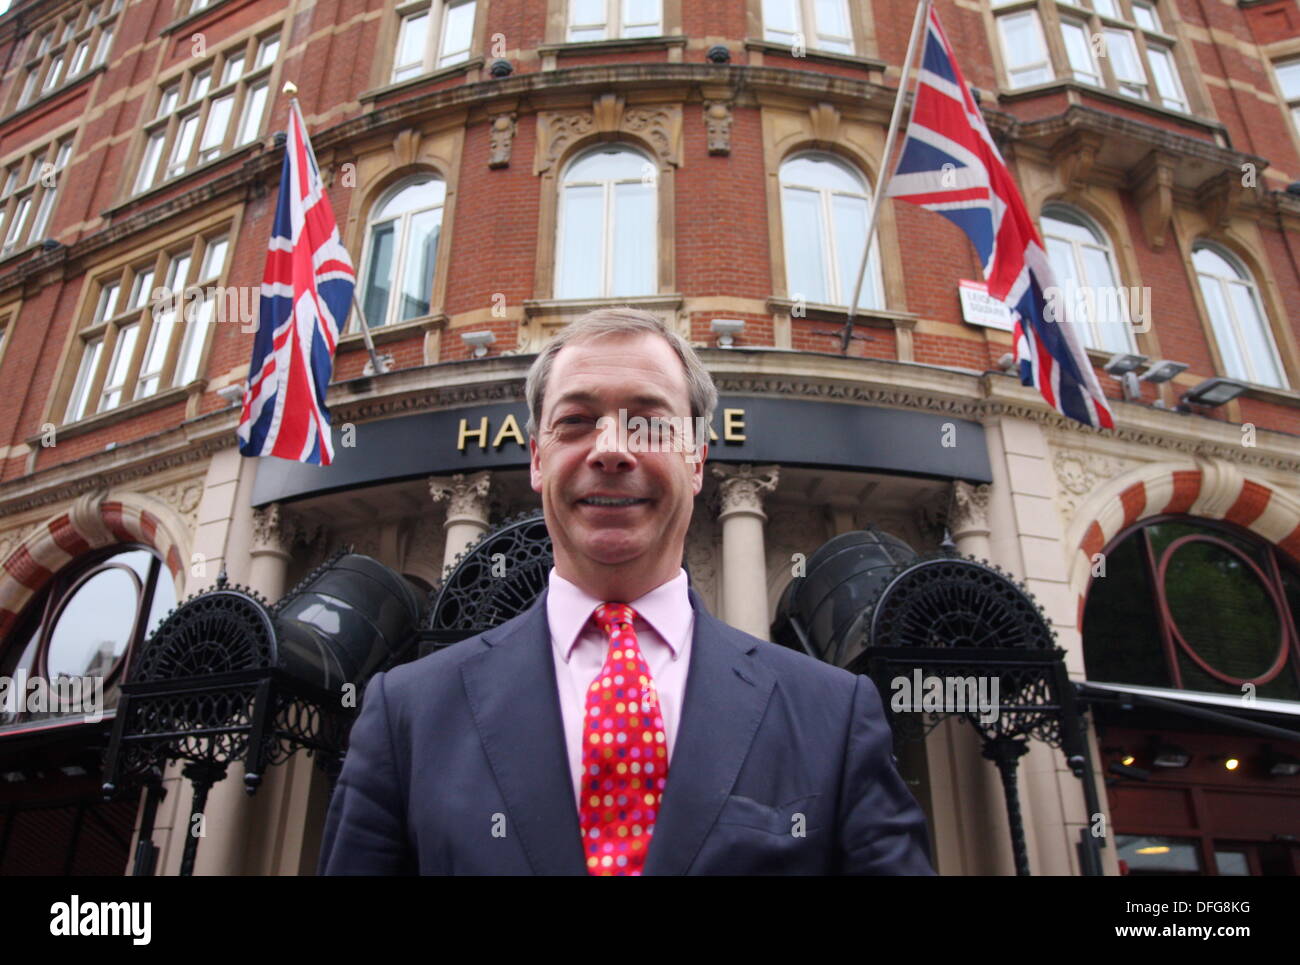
[(509, 430), (466, 432), (733, 425)]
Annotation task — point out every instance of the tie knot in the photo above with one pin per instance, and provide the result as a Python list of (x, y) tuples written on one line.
[(611, 617)]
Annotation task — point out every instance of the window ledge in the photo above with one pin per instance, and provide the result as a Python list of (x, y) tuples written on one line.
[(552, 307), (21, 250), (817, 56), (433, 76), (382, 334), (580, 47), (206, 166), (1271, 393), (44, 99), (181, 23), (121, 413), (1061, 85), (873, 317)]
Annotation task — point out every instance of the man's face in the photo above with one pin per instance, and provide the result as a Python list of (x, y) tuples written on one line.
[(614, 552)]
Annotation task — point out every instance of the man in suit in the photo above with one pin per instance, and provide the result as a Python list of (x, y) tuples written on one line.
[(617, 727)]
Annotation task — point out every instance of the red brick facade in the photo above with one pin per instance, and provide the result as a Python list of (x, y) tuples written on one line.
[(336, 51)]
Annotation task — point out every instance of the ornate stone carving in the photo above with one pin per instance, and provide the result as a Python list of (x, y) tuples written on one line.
[(659, 127), (717, 121), (273, 530), (502, 138), (466, 496), (183, 498), (556, 131), (742, 487), (1078, 474), (277, 530), (970, 508)]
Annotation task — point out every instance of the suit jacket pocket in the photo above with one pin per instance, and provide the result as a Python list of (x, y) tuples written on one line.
[(779, 819)]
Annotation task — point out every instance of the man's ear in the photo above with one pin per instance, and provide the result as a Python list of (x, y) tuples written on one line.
[(534, 465)]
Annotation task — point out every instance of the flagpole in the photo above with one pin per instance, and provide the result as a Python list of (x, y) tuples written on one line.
[(375, 360), (291, 89), (886, 168)]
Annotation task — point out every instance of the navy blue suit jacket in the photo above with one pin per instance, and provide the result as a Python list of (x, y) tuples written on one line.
[(782, 765)]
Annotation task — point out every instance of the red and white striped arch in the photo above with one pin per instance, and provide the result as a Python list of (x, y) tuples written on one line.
[(1210, 489), (91, 522)]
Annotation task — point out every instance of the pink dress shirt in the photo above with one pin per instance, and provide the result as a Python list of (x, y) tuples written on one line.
[(664, 625)]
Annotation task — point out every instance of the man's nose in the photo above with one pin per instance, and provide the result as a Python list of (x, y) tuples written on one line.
[(612, 450)]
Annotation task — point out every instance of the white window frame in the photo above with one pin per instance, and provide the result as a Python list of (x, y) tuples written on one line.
[(28, 198), (1141, 37), (65, 44), (401, 249), (607, 235), (1101, 242), (807, 29), (130, 298), (616, 23), (1232, 325), (181, 134), (1045, 63), (1290, 90), (433, 56), (829, 242)]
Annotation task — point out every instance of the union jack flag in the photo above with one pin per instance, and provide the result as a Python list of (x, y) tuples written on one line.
[(306, 293), (950, 165)]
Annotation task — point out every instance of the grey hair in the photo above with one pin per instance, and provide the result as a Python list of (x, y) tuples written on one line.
[(607, 322)]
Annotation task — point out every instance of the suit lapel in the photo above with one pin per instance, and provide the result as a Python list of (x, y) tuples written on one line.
[(513, 696), (514, 699), (726, 697)]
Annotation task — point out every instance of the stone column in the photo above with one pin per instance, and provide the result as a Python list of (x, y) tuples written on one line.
[(968, 521), (269, 554), (744, 556), (467, 510)]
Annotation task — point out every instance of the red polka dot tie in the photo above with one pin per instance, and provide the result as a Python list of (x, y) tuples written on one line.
[(624, 752)]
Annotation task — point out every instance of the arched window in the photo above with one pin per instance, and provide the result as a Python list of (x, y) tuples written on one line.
[(88, 620), (825, 206), (1084, 263), (401, 252), (1195, 605), (608, 228), (1240, 330)]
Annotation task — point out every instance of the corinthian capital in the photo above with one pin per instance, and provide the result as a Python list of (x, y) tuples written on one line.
[(466, 495), (273, 530), (970, 510), (743, 486)]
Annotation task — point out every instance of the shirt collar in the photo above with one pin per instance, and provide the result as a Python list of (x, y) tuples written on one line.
[(667, 608)]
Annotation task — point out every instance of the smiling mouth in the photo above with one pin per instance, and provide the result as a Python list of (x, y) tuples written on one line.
[(604, 503)]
